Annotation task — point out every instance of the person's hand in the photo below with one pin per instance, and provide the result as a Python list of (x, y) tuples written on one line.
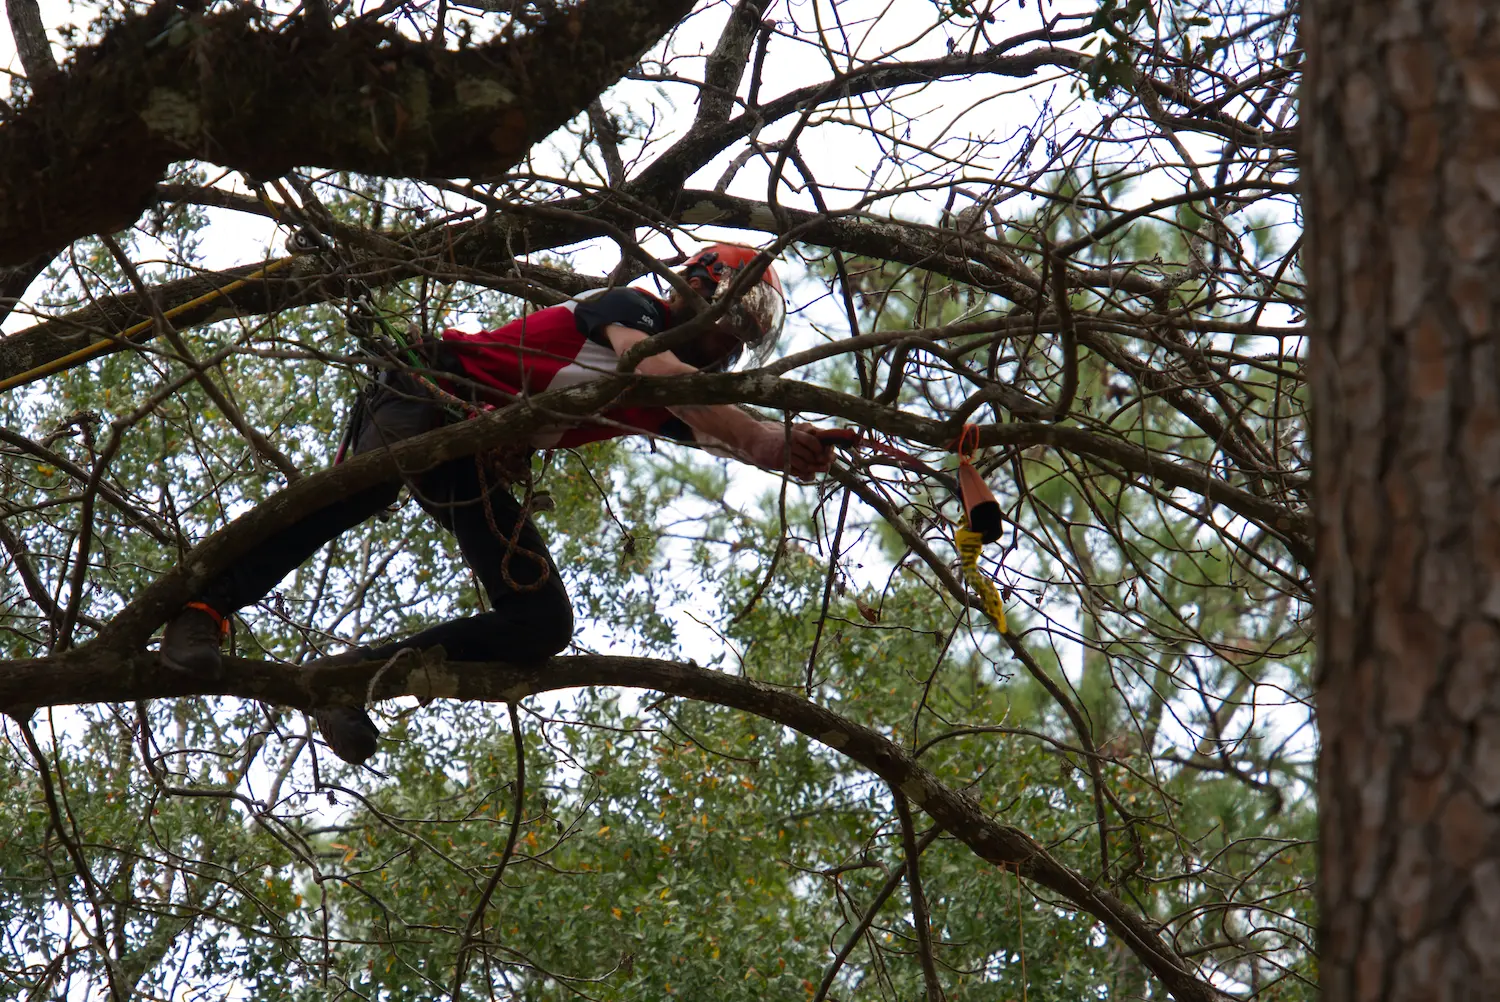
[(807, 456)]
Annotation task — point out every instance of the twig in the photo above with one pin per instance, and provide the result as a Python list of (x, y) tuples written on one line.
[(476, 917), (833, 570), (886, 890), (919, 916), (1067, 339), (228, 408), (31, 40)]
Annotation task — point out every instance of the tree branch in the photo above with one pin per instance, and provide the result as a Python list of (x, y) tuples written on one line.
[(726, 64), (892, 881), (15, 279), (480, 252), (85, 154), (31, 40), (111, 676), (670, 170), (920, 919)]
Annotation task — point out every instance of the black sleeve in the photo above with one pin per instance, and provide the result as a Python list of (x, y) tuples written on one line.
[(678, 429), (626, 307)]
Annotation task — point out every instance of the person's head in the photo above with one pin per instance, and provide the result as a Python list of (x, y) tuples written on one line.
[(750, 326)]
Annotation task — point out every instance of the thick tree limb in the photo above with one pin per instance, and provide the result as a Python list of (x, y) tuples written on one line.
[(133, 625), (84, 155), (30, 36), (480, 252), (15, 279), (108, 676), (726, 64)]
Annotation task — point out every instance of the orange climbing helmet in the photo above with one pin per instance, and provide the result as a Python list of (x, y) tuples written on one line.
[(758, 316)]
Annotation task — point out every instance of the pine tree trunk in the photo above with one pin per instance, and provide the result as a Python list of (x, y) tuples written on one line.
[(1401, 119)]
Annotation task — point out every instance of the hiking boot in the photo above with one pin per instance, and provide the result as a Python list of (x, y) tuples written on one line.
[(349, 731), (191, 642)]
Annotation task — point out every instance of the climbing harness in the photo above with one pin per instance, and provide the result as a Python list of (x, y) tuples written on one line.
[(982, 520), (361, 319)]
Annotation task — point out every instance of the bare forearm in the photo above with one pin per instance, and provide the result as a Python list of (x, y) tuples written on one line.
[(728, 426), (725, 425), (761, 443)]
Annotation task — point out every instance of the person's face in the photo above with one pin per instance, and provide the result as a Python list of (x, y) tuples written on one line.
[(711, 348), (714, 346)]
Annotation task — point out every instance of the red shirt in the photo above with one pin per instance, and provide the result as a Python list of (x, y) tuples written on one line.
[(565, 346)]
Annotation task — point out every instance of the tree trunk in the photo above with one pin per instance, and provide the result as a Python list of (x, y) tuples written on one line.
[(1401, 118)]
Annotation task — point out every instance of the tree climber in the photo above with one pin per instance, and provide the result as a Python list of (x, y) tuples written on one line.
[(530, 617)]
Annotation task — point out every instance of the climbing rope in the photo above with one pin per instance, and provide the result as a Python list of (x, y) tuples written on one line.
[(513, 538), (118, 340)]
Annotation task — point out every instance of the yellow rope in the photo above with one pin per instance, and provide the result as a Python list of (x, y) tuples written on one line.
[(98, 347), (969, 545)]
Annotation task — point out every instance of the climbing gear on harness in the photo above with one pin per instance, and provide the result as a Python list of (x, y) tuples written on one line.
[(360, 315), (759, 315), (507, 464), (302, 241)]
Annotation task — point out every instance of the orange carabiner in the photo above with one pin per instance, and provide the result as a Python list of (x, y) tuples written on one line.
[(968, 441)]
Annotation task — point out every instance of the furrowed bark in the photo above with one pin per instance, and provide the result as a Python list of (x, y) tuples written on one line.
[(1403, 198)]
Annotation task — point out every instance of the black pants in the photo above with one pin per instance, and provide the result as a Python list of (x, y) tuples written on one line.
[(528, 620)]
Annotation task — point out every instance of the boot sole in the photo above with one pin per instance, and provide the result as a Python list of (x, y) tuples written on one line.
[(199, 668)]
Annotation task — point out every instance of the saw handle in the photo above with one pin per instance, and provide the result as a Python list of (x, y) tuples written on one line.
[(842, 438)]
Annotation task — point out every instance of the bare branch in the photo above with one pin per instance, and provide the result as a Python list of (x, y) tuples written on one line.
[(482, 109), (119, 677), (30, 36)]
